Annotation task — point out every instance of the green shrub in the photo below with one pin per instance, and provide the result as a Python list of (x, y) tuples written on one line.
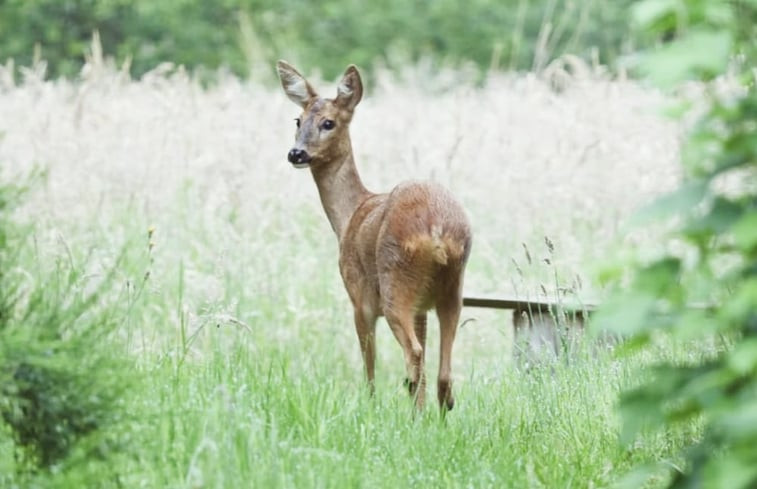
[(63, 383), (703, 287)]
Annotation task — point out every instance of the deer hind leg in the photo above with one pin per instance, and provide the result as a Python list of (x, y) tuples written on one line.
[(401, 321), (365, 324), (448, 308), (420, 334)]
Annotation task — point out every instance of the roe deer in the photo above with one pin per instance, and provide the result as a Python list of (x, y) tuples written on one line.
[(400, 253)]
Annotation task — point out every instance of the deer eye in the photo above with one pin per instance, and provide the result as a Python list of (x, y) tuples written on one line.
[(328, 124), (297, 121)]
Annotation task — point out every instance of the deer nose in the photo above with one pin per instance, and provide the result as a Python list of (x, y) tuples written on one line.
[(298, 156)]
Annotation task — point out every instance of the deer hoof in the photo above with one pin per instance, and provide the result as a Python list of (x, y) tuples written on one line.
[(448, 404), (412, 387)]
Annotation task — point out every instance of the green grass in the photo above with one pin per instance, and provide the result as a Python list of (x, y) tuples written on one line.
[(242, 417), (277, 398)]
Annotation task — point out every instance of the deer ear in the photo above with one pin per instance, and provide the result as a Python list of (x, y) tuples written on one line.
[(295, 85), (350, 89)]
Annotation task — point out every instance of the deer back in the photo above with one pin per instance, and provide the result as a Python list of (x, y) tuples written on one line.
[(416, 234)]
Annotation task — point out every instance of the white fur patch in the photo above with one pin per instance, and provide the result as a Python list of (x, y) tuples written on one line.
[(344, 89), (297, 89)]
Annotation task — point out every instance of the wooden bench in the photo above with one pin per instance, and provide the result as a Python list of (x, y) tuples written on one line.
[(539, 326)]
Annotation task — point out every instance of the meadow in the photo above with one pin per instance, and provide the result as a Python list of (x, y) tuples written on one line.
[(246, 367)]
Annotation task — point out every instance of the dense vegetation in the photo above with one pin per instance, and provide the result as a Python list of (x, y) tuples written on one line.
[(701, 286), (62, 385), (239, 34)]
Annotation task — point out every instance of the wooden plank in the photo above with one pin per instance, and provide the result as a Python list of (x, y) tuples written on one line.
[(523, 305), (516, 304)]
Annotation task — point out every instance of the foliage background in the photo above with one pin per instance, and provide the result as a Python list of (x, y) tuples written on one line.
[(241, 34), (700, 287)]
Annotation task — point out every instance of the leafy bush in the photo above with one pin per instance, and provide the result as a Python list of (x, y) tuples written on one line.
[(703, 286), (326, 35), (62, 385)]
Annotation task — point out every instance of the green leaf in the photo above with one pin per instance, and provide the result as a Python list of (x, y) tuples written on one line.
[(745, 232), (717, 220), (742, 304), (730, 471), (625, 315), (648, 12), (701, 387), (743, 359), (680, 201), (693, 324), (719, 13), (661, 278), (698, 53)]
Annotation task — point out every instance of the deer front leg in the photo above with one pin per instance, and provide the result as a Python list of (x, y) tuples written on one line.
[(365, 325)]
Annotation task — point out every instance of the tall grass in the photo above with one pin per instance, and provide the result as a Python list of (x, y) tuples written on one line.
[(229, 295), (275, 420)]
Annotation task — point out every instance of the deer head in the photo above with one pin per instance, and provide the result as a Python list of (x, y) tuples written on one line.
[(322, 135)]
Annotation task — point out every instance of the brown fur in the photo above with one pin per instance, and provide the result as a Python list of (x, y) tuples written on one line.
[(400, 253)]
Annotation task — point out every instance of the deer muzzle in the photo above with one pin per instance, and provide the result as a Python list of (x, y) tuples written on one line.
[(299, 158)]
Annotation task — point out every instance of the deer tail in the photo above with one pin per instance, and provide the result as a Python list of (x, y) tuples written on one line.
[(438, 247), (434, 245)]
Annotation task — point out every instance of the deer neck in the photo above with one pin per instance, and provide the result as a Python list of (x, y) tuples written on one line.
[(341, 190)]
